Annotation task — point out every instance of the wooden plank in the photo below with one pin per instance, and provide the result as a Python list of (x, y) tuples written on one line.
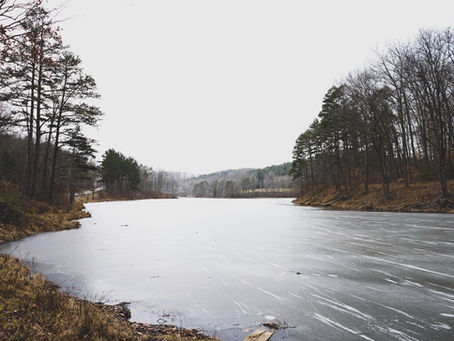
[(259, 335)]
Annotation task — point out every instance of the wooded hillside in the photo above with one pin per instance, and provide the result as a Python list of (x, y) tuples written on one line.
[(393, 121), (268, 181)]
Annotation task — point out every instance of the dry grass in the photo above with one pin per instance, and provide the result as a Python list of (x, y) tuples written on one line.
[(418, 197), (21, 217), (32, 308)]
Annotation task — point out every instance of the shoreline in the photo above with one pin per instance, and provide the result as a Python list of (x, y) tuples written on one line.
[(52, 313), (20, 287), (102, 196), (417, 198), (372, 210)]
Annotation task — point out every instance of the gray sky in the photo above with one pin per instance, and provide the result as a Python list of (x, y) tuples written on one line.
[(200, 86)]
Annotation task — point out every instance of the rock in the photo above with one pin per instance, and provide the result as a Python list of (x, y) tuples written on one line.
[(329, 203), (272, 325), (123, 310), (367, 207), (276, 324)]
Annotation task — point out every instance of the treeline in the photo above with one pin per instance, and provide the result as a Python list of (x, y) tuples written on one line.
[(124, 177), (390, 122), (45, 101), (244, 182)]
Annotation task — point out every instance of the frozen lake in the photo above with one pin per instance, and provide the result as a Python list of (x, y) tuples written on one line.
[(226, 265)]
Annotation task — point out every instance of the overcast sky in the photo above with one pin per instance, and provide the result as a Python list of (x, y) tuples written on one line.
[(200, 86)]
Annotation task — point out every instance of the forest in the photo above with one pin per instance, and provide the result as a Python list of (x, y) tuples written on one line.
[(269, 181), (391, 122), (124, 177), (46, 100)]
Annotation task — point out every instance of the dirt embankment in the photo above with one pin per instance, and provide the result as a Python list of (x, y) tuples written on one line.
[(32, 308), (418, 197)]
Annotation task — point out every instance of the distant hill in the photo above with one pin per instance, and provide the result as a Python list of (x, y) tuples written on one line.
[(245, 182), (224, 174)]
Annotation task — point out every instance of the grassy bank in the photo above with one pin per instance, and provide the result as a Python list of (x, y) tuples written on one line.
[(32, 308), (418, 197), (102, 196), (21, 217)]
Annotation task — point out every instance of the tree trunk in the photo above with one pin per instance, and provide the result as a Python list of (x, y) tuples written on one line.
[(57, 138), (366, 169), (30, 131), (442, 166), (46, 154), (38, 118), (410, 132)]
